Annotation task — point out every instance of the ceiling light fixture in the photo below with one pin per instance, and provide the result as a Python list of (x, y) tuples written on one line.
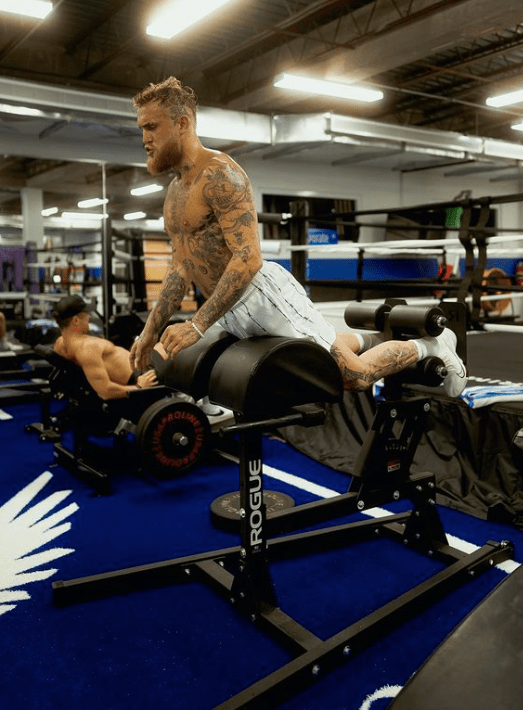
[(327, 88), (146, 189), (513, 97), (20, 110), (177, 15), (28, 8), (49, 211), (93, 202), (134, 215)]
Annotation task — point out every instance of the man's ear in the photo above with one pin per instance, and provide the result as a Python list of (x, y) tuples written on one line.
[(185, 124)]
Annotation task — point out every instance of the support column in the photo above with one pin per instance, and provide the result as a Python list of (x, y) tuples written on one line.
[(32, 206), (32, 234)]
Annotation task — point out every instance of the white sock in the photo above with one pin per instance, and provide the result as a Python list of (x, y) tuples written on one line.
[(424, 347), (368, 341), (361, 342)]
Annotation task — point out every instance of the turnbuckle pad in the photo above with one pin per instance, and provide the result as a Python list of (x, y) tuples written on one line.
[(172, 437)]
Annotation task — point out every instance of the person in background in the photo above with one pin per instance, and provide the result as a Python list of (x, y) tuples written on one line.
[(105, 365)]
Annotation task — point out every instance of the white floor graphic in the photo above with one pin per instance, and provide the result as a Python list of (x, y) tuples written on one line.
[(25, 529)]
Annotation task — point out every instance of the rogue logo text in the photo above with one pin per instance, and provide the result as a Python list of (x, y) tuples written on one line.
[(255, 503)]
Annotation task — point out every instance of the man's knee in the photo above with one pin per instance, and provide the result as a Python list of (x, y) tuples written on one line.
[(356, 375), (356, 382)]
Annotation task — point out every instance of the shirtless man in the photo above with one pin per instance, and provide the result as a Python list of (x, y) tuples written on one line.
[(210, 216), (105, 365)]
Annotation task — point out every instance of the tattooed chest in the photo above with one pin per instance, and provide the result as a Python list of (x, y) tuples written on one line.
[(204, 254)]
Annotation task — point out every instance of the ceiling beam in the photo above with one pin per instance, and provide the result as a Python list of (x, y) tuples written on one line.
[(277, 34), (96, 23), (439, 26), (10, 47)]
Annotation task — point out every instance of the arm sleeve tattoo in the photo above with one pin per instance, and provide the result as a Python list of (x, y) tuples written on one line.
[(174, 287), (227, 191)]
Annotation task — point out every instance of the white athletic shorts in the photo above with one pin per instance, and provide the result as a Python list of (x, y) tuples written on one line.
[(276, 304)]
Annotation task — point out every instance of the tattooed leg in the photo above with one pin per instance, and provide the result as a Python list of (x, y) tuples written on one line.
[(360, 372)]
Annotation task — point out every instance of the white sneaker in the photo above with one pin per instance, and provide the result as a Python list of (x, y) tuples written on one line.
[(211, 410), (456, 379), (15, 347)]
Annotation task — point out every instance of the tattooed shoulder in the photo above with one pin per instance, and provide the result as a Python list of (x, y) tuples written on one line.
[(225, 186)]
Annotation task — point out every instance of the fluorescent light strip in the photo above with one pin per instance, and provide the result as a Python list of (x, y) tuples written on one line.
[(94, 202), (134, 215), (28, 8), (20, 110), (49, 211), (513, 97), (294, 82), (176, 16), (146, 189)]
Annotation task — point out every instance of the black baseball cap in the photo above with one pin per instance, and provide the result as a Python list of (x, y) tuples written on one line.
[(68, 307)]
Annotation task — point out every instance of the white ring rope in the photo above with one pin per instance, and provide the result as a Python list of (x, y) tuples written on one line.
[(396, 245), (376, 251), (124, 256), (503, 328), (93, 262)]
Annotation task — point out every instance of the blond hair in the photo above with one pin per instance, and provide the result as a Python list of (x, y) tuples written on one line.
[(179, 100)]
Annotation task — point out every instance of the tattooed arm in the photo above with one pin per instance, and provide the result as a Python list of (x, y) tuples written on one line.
[(228, 193), (173, 289), (229, 246)]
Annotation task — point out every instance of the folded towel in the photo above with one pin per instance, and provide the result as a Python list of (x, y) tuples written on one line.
[(484, 395), (479, 396)]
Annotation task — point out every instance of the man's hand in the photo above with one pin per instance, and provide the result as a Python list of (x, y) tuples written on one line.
[(140, 355), (148, 379), (178, 337)]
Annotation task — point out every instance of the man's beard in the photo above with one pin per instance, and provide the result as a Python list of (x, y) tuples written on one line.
[(168, 158)]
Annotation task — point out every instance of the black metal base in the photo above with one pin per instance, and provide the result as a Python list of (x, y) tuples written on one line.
[(314, 656), (382, 474), (98, 478)]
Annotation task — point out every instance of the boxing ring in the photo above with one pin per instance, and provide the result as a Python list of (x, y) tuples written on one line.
[(468, 441)]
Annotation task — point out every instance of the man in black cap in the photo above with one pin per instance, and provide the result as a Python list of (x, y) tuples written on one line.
[(105, 364)]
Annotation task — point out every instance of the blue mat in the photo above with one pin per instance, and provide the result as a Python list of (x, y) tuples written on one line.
[(183, 646)]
